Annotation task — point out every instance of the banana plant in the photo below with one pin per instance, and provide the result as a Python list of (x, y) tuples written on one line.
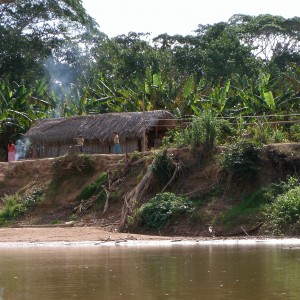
[(255, 96), (20, 106), (214, 99)]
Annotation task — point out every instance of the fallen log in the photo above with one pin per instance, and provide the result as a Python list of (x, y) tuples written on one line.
[(242, 232)]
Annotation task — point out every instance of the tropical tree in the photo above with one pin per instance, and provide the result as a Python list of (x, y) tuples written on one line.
[(38, 34), (20, 106), (125, 58), (271, 37)]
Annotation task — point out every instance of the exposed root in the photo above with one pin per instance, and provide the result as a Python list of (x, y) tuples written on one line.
[(134, 197), (177, 168)]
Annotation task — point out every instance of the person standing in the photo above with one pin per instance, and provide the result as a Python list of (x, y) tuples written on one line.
[(117, 146), (11, 151), (80, 142)]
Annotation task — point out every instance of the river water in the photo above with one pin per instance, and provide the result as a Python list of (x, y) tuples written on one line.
[(151, 271)]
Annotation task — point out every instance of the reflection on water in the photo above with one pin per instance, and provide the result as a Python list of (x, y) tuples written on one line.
[(163, 272)]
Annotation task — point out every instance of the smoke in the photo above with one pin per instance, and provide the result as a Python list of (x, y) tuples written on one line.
[(22, 147), (63, 83)]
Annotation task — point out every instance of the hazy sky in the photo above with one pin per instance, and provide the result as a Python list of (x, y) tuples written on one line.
[(178, 17)]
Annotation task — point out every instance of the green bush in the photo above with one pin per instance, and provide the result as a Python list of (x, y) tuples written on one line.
[(162, 209), (252, 208), (177, 138), (33, 199), (93, 188), (192, 136), (249, 210), (163, 166), (295, 132), (136, 155), (16, 205), (241, 157), (202, 131), (224, 131), (279, 136), (284, 212), (12, 209)]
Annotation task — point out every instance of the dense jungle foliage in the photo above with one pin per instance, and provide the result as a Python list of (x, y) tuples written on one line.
[(55, 61)]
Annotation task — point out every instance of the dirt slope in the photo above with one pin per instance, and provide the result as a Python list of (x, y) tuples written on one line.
[(201, 176)]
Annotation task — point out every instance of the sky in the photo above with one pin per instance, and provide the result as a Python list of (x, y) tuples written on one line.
[(117, 17)]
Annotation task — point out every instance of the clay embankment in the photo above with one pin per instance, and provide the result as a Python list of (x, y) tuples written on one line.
[(201, 177)]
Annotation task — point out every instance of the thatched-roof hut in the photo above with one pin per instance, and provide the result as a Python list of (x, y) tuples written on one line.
[(53, 137)]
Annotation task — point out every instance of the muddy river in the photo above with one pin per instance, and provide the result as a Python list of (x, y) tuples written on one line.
[(164, 270)]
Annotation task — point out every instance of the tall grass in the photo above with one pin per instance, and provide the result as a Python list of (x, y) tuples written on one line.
[(203, 130), (15, 205)]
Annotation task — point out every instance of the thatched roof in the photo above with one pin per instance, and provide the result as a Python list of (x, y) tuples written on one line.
[(100, 127)]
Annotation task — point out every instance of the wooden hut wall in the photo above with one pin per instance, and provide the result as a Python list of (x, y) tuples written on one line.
[(38, 150), (95, 147), (130, 145), (46, 150)]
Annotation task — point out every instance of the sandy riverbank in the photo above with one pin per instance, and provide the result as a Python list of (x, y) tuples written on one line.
[(58, 236), (67, 234)]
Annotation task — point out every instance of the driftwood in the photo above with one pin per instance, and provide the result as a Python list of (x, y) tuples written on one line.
[(85, 205), (243, 231), (71, 224), (112, 184)]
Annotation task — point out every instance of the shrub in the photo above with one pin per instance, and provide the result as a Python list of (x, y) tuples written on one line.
[(162, 209), (93, 188), (279, 136), (295, 132), (202, 131), (225, 130), (284, 212), (12, 209), (241, 157), (136, 155), (249, 210), (252, 207), (163, 166), (177, 138), (193, 135), (16, 205)]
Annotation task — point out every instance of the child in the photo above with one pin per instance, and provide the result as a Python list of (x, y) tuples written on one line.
[(11, 151), (80, 142)]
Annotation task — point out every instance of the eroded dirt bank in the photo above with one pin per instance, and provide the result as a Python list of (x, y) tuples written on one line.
[(201, 177)]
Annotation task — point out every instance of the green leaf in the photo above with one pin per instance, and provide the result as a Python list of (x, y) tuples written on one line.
[(157, 79), (269, 99), (188, 87)]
